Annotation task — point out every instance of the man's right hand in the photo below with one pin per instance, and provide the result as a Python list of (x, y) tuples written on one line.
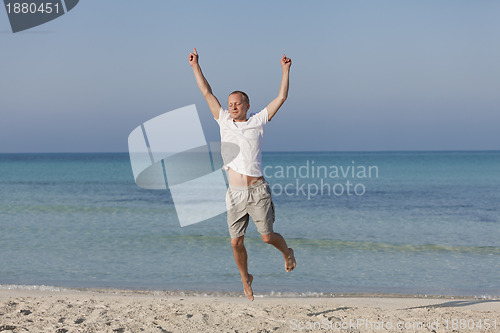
[(193, 58), (205, 88)]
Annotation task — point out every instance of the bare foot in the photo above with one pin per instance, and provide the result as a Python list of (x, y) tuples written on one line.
[(248, 287), (290, 262)]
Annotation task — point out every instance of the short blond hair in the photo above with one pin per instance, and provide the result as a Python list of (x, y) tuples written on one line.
[(245, 96)]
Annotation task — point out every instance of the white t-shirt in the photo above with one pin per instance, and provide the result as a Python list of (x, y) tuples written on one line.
[(248, 137)]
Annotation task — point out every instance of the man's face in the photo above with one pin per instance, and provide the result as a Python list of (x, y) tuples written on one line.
[(237, 107)]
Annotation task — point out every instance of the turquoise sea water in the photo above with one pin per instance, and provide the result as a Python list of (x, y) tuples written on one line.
[(398, 222)]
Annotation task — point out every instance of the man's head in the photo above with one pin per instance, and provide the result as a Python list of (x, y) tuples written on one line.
[(238, 105)]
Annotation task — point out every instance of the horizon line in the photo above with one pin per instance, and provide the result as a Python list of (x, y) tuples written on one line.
[(286, 151)]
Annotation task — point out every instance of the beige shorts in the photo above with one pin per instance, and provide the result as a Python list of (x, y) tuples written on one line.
[(255, 201)]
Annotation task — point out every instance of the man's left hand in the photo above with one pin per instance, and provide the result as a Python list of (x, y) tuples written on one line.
[(286, 62)]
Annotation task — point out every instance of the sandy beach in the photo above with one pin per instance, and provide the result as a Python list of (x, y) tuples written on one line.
[(135, 311)]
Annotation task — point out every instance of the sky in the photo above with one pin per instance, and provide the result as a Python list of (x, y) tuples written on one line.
[(374, 75)]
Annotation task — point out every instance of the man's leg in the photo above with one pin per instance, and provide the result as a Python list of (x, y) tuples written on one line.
[(240, 256), (262, 212), (279, 242)]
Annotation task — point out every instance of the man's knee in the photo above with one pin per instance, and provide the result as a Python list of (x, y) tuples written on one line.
[(237, 243), (267, 238)]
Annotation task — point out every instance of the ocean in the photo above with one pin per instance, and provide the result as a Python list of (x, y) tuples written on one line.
[(425, 223)]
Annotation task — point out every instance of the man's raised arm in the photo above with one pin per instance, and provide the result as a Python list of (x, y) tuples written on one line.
[(205, 88), (274, 106)]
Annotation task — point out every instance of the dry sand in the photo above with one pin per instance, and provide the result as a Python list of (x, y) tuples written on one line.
[(132, 311)]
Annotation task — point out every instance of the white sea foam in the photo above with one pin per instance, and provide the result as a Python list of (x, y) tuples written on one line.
[(33, 287)]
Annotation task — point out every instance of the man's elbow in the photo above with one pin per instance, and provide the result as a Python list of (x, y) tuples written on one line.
[(206, 92)]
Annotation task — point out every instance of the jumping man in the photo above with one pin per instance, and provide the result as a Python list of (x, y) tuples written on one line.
[(249, 193)]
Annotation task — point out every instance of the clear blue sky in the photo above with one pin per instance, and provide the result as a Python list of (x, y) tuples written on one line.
[(366, 75)]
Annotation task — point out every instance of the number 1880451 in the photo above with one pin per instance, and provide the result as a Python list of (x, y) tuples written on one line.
[(32, 8)]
